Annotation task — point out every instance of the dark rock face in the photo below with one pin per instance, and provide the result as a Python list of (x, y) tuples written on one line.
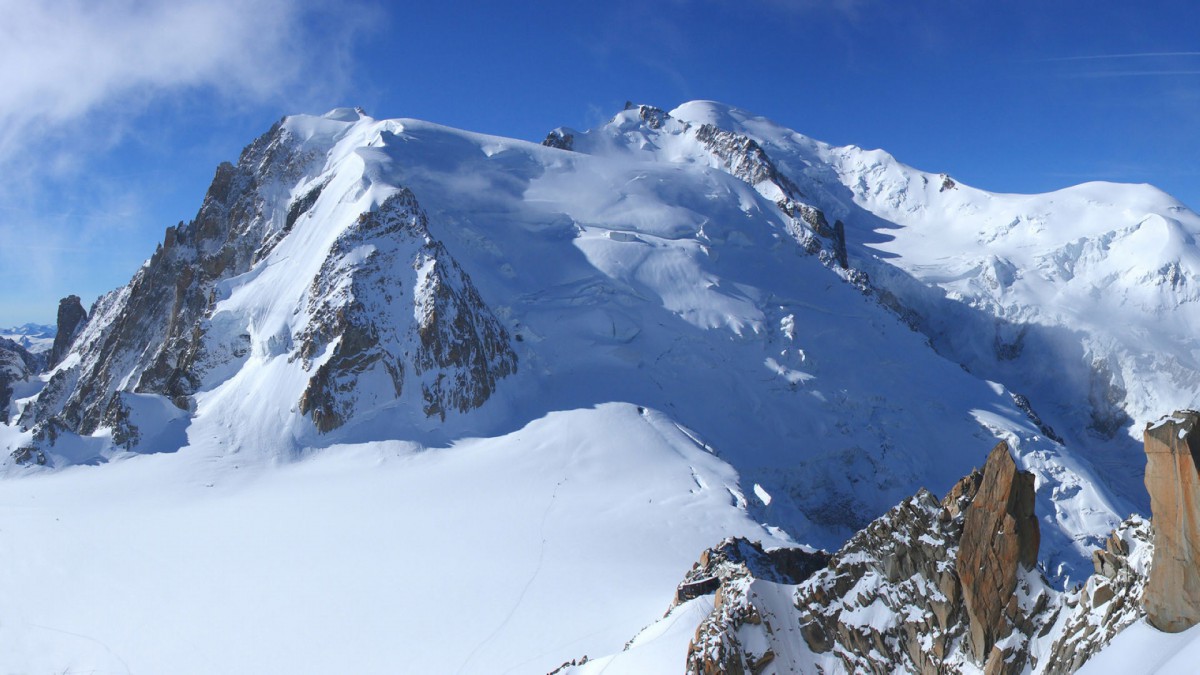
[(1027, 408), (71, 318), (16, 364), (1000, 536), (561, 139), (654, 117), (1172, 599), (118, 418), (382, 322), (746, 160)]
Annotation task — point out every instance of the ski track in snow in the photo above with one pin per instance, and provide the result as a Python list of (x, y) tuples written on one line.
[(524, 589), (89, 639)]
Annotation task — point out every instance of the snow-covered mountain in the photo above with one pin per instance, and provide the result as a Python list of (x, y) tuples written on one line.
[(34, 337), (785, 338)]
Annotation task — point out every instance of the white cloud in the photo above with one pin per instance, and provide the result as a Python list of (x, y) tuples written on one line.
[(64, 59), (77, 79)]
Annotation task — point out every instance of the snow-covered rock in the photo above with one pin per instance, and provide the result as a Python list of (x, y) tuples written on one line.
[(895, 599), (17, 365)]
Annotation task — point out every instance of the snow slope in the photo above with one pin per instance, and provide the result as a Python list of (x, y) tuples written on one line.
[(1142, 648), (490, 556)]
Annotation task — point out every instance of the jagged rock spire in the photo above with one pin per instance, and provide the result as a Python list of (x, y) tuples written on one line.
[(1000, 534), (71, 318), (1172, 446)]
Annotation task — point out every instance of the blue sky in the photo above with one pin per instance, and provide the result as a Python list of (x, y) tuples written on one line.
[(114, 113)]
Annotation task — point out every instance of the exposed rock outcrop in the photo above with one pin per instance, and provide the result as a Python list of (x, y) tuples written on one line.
[(71, 318), (1107, 603), (999, 539), (561, 139), (890, 599), (16, 364), (894, 598), (730, 571), (927, 578), (1172, 445), (396, 308)]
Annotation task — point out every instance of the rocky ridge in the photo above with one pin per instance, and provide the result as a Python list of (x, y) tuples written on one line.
[(734, 571), (955, 580), (147, 337), (895, 597), (743, 158)]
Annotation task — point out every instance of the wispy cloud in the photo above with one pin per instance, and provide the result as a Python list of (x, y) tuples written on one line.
[(77, 79), (1138, 55), (65, 59), (1136, 73), (1127, 65)]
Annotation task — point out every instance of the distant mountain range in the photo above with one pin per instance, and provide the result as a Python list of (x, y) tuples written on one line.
[(35, 337)]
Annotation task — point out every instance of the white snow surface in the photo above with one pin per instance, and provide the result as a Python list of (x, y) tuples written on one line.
[(677, 349), (1142, 648), (497, 555)]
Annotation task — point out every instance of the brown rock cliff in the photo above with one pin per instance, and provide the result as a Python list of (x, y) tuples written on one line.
[(1172, 599), (1000, 533)]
